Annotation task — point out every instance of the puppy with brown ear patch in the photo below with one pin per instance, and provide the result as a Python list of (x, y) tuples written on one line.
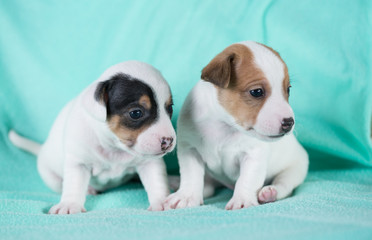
[(118, 126), (235, 129)]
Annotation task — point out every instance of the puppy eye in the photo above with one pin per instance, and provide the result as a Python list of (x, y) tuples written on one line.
[(170, 109), (259, 92), (136, 114), (289, 90)]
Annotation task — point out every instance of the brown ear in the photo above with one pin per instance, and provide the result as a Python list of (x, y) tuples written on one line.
[(219, 70)]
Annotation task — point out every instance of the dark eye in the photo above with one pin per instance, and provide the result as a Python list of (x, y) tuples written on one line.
[(259, 92), (288, 90), (170, 109), (136, 114)]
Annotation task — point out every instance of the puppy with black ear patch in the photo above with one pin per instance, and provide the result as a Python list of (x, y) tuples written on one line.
[(235, 128), (118, 126)]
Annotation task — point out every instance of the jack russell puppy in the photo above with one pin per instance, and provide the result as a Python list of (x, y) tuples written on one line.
[(235, 128), (118, 126)]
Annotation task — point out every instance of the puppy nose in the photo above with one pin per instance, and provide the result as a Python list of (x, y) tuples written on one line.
[(166, 142), (287, 124)]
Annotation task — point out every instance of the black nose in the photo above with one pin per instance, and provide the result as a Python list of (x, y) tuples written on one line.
[(166, 143), (287, 124)]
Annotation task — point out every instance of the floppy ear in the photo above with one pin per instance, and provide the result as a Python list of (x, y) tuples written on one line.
[(94, 100), (219, 70), (102, 92), (222, 70)]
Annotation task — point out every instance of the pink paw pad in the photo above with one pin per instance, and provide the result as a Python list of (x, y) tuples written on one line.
[(92, 191), (267, 194)]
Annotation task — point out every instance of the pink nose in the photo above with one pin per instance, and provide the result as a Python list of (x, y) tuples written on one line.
[(166, 143)]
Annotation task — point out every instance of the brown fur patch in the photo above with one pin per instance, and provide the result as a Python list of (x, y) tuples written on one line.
[(286, 81), (234, 73), (126, 135), (145, 101), (219, 71), (169, 101)]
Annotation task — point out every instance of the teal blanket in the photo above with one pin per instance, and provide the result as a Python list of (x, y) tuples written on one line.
[(50, 51)]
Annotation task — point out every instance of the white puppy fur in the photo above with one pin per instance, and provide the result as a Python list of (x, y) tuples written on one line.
[(243, 149), (92, 145)]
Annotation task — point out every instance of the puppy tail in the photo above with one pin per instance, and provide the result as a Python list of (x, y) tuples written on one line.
[(24, 143)]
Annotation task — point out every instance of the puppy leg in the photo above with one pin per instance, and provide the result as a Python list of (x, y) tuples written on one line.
[(51, 179), (284, 183), (75, 185), (190, 193), (251, 179), (209, 185), (153, 176), (174, 182)]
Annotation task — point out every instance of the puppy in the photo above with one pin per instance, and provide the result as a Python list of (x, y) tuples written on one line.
[(118, 126), (235, 128)]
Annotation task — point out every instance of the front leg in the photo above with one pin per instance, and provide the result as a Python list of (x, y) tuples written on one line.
[(190, 193), (153, 176), (75, 185), (251, 179)]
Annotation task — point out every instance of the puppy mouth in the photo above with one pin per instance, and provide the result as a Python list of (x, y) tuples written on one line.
[(149, 155), (131, 150), (159, 154), (276, 136), (267, 137), (168, 150)]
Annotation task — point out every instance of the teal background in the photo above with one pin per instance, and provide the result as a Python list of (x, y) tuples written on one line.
[(51, 50)]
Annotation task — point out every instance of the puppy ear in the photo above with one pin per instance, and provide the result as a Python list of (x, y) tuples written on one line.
[(101, 93), (219, 70), (223, 69)]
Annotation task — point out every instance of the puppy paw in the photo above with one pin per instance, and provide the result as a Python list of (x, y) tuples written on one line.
[(267, 194), (67, 208), (181, 199), (239, 202), (156, 206), (92, 191)]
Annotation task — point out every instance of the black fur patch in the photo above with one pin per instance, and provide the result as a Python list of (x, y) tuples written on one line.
[(121, 94), (169, 109)]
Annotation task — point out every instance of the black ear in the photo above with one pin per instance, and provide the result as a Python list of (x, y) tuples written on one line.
[(102, 91)]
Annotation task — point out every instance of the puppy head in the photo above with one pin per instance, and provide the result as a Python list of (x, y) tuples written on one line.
[(138, 105), (253, 87)]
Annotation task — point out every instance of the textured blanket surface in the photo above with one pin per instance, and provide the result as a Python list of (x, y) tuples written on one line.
[(51, 50), (329, 205)]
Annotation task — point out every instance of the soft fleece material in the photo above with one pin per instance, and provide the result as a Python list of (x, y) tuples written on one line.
[(50, 51)]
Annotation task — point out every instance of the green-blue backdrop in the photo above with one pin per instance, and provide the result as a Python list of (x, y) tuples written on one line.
[(51, 50)]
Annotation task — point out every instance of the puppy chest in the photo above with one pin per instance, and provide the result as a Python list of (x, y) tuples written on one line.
[(105, 175), (111, 170), (223, 164), (223, 159), (112, 165)]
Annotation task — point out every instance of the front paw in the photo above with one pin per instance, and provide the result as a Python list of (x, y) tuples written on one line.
[(239, 202), (156, 206), (67, 208), (181, 199)]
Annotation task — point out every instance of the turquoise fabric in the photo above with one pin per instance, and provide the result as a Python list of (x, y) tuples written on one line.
[(51, 50)]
